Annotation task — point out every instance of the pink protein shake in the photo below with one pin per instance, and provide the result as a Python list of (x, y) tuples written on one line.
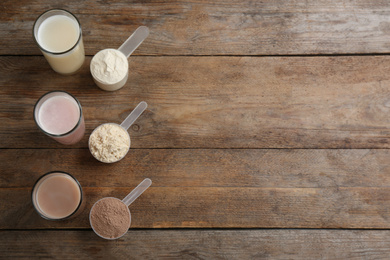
[(58, 114)]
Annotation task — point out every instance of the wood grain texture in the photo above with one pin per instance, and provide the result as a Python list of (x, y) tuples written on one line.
[(213, 187), (225, 207), (215, 102), (212, 28), (208, 168), (199, 244), (262, 139)]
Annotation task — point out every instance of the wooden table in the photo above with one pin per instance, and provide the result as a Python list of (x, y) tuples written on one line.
[(266, 136)]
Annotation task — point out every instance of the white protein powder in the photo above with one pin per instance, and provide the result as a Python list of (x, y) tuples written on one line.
[(109, 143), (109, 68)]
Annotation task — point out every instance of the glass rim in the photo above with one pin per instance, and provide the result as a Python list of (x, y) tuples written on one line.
[(51, 52), (35, 186), (70, 131)]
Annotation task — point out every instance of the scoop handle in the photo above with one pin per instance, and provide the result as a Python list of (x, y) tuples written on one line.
[(134, 115), (132, 43), (134, 194)]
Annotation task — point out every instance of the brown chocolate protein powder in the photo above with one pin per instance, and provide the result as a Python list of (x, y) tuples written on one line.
[(110, 218)]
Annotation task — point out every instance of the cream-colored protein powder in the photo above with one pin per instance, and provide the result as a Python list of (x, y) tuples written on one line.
[(109, 143), (109, 69)]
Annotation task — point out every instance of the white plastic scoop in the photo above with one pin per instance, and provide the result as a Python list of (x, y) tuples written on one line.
[(110, 67), (109, 224), (110, 142), (135, 40), (130, 119)]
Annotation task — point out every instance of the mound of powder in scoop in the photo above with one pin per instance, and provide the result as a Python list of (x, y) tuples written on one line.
[(110, 218), (109, 66), (109, 143)]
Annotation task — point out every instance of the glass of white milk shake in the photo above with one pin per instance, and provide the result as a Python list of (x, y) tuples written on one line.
[(59, 115), (58, 34)]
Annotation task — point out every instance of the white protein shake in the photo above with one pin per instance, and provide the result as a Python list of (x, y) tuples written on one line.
[(59, 37)]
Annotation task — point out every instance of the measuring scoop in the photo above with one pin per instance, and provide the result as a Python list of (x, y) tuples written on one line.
[(135, 40), (110, 217), (110, 142), (110, 67)]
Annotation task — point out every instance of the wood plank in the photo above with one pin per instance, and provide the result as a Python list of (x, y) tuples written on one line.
[(199, 244), (216, 102), (219, 168), (209, 207), (213, 28), (200, 188)]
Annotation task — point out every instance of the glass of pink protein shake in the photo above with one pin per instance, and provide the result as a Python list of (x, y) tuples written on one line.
[(59, 115)]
